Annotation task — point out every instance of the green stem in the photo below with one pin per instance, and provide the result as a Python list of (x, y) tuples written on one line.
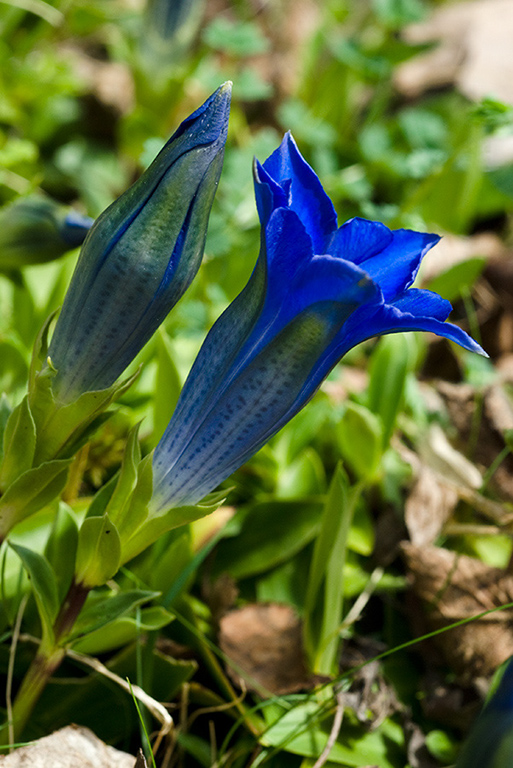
[(42, 668), (70, 608), (44, 664)]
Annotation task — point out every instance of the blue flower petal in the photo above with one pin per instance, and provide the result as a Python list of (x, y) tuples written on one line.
[(395, 268), (268, 193), (359, 239), (306, 197), (247, 413), (414, 310), (297, 280), (421, 302)]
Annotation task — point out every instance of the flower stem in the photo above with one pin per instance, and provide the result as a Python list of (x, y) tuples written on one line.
[(42, 668), (44, 664), (70, 608)]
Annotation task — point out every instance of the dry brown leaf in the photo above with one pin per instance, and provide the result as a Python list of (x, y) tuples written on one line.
[(451, 465), (474, 51), (390, 532), (452, 587), (140, 761), (220, 596), (371, 697), (263, 644), (495, 415), (428, 507), (71, 747)]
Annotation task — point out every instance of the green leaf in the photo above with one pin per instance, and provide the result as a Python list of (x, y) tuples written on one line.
[(19, 443), (442, 746), (271, 533), (397, 13), (305, 476), (392, 359), (61, 547), (31, 492), (299, 731), (44, 586), (457, 280), (168, 558), (123, 630), (237, 38), (24, 317), (167, 385), (104, 610), (360, 435), (98, 552), (13, 372), (324, 597), (361, 536)]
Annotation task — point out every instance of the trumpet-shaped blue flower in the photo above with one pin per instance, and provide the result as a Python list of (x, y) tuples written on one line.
[(140, 256), (316, 292)]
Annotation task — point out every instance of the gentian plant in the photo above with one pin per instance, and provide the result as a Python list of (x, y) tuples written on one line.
[(316, 292), (138, 259)]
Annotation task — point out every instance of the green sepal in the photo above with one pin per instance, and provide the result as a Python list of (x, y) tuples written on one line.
[(63, 429), (137, 512), (19, 444), (154, 526), (98, 552), (126, 480), (32, 491), (107, 609), (102, 498), (126, 501), (40, 350), (44, 586)]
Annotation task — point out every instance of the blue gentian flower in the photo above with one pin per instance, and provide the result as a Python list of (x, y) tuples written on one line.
[(315, 293), (140, 256), (490, 744)]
